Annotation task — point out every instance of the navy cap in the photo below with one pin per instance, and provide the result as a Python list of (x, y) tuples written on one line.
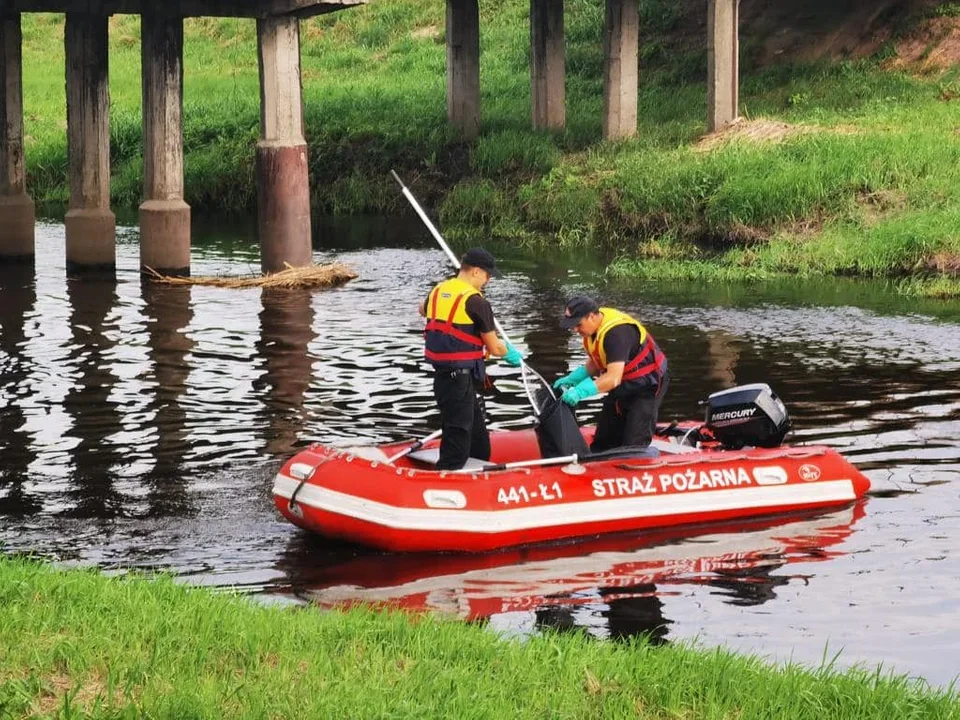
[(478, 257), (579, 307)]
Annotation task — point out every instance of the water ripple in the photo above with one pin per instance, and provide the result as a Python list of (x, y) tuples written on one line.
[(141, 426)]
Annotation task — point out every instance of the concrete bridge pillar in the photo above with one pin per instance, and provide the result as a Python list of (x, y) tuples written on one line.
[(283, 189), (164, 216), (90, 224), (17, 217), (463, 66), (621, 43), (547, 63), (723, 65)]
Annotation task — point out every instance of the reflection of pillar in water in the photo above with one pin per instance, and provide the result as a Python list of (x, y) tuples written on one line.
[(723, 357), (752, 585), (168, 313), (640, 613), (19, 296), (556, 617), (286, 330), (95, 417)]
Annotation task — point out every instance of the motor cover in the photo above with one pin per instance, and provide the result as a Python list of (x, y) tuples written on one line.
[(747, 415)]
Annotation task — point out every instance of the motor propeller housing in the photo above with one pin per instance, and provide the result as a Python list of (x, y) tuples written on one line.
[(747, 416)]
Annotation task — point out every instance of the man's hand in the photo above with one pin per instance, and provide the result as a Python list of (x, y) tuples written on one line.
[(577, 376), (513, 358), (580, 391)]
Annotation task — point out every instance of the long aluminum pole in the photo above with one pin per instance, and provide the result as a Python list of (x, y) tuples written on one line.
[(439, 238)]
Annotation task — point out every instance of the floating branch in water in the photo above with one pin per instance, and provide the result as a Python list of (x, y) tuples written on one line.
[(311, 276)]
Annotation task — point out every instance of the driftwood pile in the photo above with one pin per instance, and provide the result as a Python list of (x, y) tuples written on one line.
[(311, 276)]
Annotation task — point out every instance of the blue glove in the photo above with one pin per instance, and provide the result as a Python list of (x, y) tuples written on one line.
[(580, 391), (513, 358), (577, 376)]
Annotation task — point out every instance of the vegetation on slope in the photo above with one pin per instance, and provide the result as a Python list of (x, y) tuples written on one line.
[(844, 167)]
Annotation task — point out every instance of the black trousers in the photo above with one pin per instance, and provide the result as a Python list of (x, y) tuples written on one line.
[(462, 420), (630, 420)]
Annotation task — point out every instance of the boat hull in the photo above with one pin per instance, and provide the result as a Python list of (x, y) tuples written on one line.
[(408, 507)]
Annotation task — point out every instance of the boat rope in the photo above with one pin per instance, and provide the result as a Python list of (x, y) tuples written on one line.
[(292, 502), (722, 457)]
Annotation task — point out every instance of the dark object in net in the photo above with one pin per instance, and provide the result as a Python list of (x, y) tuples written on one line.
[(557, 431)]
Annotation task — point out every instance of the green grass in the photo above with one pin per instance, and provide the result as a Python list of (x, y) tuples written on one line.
[(871, 186), (79, 644)]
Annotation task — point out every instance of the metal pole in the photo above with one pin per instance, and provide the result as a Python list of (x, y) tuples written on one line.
[(439, 238)]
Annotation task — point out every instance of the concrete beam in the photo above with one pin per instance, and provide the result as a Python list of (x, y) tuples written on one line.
[(186, 8), (90, 224), (621, 44), (164, 216), (463, 66), (17, 216), (723, 63), (283, 187), (547, 63)]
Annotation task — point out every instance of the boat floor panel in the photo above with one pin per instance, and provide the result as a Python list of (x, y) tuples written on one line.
[(430, 456), (672, 448)]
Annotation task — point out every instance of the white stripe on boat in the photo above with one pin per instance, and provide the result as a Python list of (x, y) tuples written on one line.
[(572, 513)]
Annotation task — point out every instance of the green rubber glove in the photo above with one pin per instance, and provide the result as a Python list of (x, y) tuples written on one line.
[(513, 358), (577, 376), (580, 391)]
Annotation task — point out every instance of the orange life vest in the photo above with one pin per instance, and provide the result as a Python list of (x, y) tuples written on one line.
[(451, 340), (642, 370)]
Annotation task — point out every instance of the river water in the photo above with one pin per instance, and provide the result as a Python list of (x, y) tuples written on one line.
[(141, 426)]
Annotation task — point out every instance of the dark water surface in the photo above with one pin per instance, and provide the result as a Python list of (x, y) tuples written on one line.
[(141, 427)]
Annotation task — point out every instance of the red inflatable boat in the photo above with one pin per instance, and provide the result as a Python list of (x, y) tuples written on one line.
[(391, 497)]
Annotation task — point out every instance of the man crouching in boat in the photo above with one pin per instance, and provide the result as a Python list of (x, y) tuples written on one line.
[(624, 361), (460, 330)]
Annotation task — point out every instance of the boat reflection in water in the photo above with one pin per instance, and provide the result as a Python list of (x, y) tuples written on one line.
[(552, 585)]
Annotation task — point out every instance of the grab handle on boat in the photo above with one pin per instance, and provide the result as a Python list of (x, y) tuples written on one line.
[(292, 505), (415, 446)]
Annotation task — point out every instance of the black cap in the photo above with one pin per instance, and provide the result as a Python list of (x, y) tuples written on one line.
[(478, 257), (579, 307)]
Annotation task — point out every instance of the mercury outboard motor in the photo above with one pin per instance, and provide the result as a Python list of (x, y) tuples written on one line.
[(747, 415)]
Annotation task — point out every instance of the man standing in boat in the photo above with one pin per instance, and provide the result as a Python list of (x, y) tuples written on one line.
[(624, 361), (460, 332)]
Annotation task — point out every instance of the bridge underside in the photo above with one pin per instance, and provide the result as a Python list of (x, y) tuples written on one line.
[(282, 184), (185, 8)]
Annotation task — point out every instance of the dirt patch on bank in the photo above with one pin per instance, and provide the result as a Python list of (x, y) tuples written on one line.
[(762, 130), (807, 30), (921, 33), (933, 46), (431, 32), (759, 130), (945, 263)]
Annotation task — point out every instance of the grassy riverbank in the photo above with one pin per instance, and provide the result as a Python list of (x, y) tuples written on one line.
[(848, 167), (78, 644)]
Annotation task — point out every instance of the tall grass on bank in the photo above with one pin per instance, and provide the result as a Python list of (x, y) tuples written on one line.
[(864, 179), (78, 644)]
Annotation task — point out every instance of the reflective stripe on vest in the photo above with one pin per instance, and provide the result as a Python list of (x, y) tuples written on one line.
[(648, 361), (451, 338)]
